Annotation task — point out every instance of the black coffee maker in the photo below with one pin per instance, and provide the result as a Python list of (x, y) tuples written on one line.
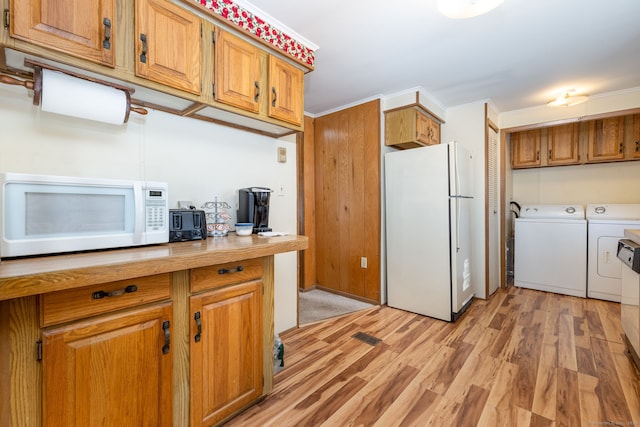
[(253, 207)]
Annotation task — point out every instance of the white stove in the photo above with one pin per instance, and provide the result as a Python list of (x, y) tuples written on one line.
[(629, 255)]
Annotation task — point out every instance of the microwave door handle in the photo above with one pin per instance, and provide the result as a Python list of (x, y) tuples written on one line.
[(139, 213)]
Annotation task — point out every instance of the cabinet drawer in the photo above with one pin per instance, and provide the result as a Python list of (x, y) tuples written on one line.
[(216, 276), (73, 304)]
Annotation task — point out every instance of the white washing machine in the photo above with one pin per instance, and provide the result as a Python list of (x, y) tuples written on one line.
[(606, 224), (551, 249)]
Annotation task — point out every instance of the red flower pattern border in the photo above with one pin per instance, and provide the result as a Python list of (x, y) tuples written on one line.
[(251, 23)]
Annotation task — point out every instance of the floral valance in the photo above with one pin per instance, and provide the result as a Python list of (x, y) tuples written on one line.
[(251, 23)]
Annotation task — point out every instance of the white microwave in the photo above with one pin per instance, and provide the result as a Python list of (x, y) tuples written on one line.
[(43, 214)]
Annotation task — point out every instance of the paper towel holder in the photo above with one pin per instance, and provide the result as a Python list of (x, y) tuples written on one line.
[(36, 84)]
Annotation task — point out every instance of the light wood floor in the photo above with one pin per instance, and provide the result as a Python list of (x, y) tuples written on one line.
[(521, 358)]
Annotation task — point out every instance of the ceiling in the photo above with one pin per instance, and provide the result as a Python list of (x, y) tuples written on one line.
[(520, 55)]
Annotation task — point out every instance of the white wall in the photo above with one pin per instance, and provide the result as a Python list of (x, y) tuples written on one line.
[(579, 184), (198, 159), (466, 125)]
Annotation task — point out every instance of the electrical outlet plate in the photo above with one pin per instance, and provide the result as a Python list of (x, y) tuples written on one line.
[(282, 154)]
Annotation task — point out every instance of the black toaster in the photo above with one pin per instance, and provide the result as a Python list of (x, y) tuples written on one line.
[(187, 224)]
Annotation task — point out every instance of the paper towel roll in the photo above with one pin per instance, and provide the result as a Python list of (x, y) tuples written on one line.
[(72, 96)]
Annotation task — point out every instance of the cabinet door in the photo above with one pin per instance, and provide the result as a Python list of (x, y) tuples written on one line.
[(286, 84), (635, 138), (606, 139), (525, 148), (114, 371), (562, 144), (237, 72), (427, 131), (84, 29), (226, 351), (167, 45)]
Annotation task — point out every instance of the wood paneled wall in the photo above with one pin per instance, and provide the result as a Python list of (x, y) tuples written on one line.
[(306, 204), (347, 200)]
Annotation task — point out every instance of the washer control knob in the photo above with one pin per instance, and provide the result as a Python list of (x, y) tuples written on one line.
[(570, 210)]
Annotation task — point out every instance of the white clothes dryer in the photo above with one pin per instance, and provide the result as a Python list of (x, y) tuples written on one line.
[(551, 249), (606, 224)]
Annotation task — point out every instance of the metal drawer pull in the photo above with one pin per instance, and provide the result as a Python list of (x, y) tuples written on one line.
[(106, 43), (167, 337), (196, 317), (128, 290), (143, 54), (230, 270)]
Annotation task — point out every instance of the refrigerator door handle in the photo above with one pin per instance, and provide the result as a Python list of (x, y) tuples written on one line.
[(457, 225)]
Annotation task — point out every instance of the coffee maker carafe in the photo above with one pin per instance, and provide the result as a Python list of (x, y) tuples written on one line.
[(253, 207)]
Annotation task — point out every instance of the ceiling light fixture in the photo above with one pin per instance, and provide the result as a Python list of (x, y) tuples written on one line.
[(568, 99), (461, 9)]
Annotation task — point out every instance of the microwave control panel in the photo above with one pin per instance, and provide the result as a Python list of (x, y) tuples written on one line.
[(156, 207)]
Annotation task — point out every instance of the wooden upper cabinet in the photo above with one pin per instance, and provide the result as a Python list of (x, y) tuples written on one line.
[(635, 137), (84, 29), (286, 96), (237, 72), (226, 371), (168, 45), (428, 131), (410, 128), (114, 370), (563, 144), (606, 139), (525, 148)]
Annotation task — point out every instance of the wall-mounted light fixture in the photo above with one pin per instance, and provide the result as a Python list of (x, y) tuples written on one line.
[(568, 99), (64, 92), (461, 9)]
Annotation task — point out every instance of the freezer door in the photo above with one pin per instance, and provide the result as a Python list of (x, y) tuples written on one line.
[(461, 288), (460, 170)]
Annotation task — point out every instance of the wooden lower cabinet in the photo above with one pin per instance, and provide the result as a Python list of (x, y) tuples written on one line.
[(109, 371), (132, 352), (226, 372)]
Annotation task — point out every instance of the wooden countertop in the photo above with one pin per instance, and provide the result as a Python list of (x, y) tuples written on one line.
[(32, 276)]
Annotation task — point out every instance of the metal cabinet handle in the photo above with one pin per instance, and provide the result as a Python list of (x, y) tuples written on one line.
[(637, 145), (106, 43), (620, 149), (167, 337), (550, 155), (275, 96), (257, 96), (230, 270), (143, 55), (198, 335), (537, 155), (102, 294)]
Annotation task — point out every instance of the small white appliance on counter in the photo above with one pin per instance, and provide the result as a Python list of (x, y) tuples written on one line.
[(551, 249), (428, 210), (606, 225), (629, 254), (43, 214)]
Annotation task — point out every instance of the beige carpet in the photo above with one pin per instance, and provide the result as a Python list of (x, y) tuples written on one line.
[(318, 305)]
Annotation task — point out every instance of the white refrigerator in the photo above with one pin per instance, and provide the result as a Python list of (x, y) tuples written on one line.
[(428, 198)]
